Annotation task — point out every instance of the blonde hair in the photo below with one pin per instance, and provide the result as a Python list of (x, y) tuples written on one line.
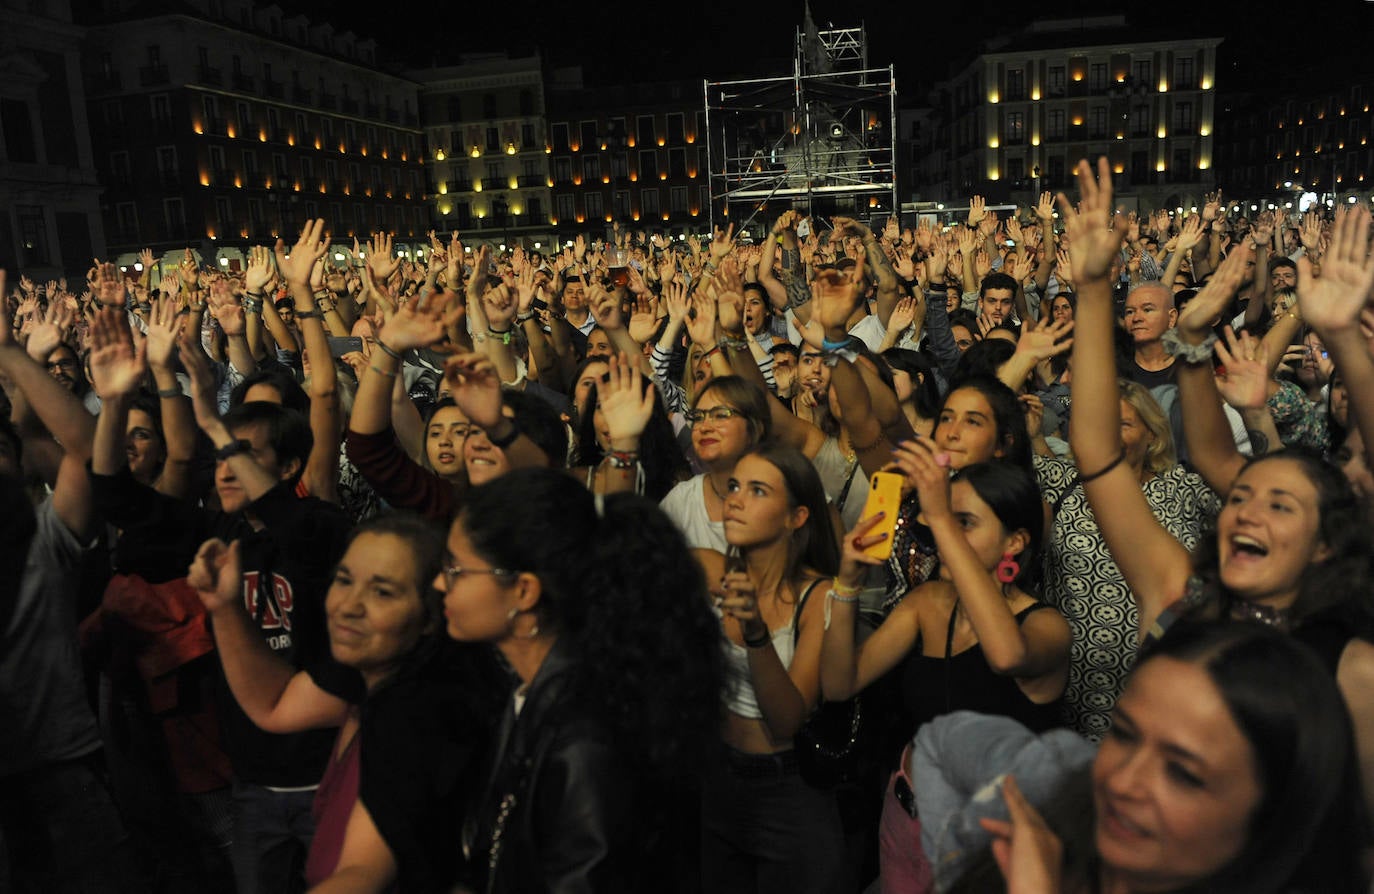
[(1159, 456)]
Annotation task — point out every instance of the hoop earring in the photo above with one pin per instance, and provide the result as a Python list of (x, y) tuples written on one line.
[(1008, 568)]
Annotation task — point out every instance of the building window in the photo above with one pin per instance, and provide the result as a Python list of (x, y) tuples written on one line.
[(621, 206), (1183, 116), (224, 212), (567, 206), (1183, 163), (33, 236), (648, 164), (1140, 121), (677, 163), (1140, 166), (1097, 76), (675, 133), (1055, 124), (1056, 171), (492, 180), (677, 200), (648, 202), (560, 138), (1143, 68), (119, 167), (1015, 127), (488, 105), (1183, 68), (644, 130), (455, 108), (175, 216), (592, 201), (455, 143), (534, 209), (591, 168), (126, 217), (527, 137), (1056, 80), (162, 108), (1016, 84), (587, 134), (493, 140), (167, 159), (527, 102), (1097, 118), (562, 169), (620, 165)]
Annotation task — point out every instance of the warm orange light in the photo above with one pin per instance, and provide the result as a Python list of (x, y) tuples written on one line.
[(291, 140), (662, 141), (475, 153), (665, 215), (230, 132), (635, 216), (630, 141), (238, 182), (691, 138), (581, 219), (1078, 76), (198, 127), (695, 212), (322, 188), (317, 142), (364, 151), (204, 178), (296, 187), (692, 175), (605, 178), (1119, 168), (608, 218), (577, 180), (663, 175), (634, 177), (262, 136), (575, 147)]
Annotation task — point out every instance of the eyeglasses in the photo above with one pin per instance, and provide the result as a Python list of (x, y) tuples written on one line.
[(63, 365), (715, 414), (453, 572)]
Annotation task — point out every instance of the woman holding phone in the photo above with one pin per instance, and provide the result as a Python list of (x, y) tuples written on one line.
[(972, 639)]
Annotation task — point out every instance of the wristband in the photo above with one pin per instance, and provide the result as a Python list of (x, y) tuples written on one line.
[(1084, 479), (735, 344), (387, 349), (759, 643), (169, 392), (509, 439), (834, 596), (501, 335), (622, 459), (252, 305), (382, 372), (1174, 346), (524, 318), (307, 315)]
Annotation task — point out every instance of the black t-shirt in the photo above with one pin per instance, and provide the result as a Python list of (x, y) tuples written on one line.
[(1151, 379)]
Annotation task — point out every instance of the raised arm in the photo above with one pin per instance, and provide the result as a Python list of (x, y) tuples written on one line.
[(1211, 446), (1333, 305), (274, 695), (298, 268), (1153, 563), (178, 426)]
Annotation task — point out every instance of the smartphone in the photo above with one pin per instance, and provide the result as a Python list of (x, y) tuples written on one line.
[(884, 495), (539, 304), (346, 345)]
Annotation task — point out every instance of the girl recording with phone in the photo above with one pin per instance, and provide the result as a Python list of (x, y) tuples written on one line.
[(972, 639)]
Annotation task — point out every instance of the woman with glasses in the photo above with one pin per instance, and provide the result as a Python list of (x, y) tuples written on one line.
[(729, 418), (616, 700)]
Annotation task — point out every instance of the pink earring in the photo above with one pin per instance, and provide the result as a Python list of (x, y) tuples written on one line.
[(1008, 568)]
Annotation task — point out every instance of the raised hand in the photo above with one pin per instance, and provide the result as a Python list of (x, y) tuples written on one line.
[(1044, 209), (50, 330), (902, 316), (1198, 316), (1047, 339), (379, 259), (722, 242), (189, 272), (164, 327), (109, 285), (1189, 235), (644, 320), (418, 323), (216, 575), (1094, 233), (927, 471), (298, 267), (1332, 302), (625, 403), (476, 388), (977, 210), (500, 306), (701, 321), (117, 367), (1243, 377)]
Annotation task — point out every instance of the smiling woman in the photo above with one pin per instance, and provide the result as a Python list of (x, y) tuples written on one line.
[(373, 823)]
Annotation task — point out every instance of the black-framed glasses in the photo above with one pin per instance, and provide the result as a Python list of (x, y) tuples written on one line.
[(715, 414), (453, 572)]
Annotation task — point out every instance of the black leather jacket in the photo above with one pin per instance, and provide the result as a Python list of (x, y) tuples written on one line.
[(558, 813)]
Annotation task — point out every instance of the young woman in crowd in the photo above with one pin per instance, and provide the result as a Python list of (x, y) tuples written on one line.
[(974, 639), (397, 818), (597, 609), (1083, 582), (764, 829), (1230, 766), (1291, 547)]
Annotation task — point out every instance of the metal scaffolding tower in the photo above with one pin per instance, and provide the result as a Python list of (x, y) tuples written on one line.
[(819, 140)]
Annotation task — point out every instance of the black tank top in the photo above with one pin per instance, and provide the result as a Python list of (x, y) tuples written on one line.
[(964, 682)]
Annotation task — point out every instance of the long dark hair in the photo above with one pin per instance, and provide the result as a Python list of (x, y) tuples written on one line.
[(1338, 587), (1012, 436), (1307, 833), (625, 595), (662, 459), (925, 390), (814, 545), (1014, 497)]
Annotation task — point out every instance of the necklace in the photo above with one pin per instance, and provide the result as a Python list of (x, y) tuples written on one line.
[(1278, 618), (711, 481)]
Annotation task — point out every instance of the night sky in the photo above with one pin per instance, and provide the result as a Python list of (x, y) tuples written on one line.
[(722, 40)]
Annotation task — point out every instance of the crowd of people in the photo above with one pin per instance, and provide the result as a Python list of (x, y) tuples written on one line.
[(1029, 553)]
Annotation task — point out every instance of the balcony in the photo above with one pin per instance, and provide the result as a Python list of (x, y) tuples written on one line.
[(242, 82), (169, 179), (533, 180), (392, 116), (372, 111), (223, 177), (460, 186), (152, 75), (411, 119), (300, 96), (109, 80), (207, 75), (273, 88), (349, 106), (329, 101)]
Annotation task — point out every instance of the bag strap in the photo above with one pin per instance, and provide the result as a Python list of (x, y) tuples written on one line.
[(801, 604)]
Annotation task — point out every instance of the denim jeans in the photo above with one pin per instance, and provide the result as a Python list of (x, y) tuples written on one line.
[(765, 830), (62, 833), (272, 832)]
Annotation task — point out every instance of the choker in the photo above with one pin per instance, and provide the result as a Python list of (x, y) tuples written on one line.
[(1278, 618)]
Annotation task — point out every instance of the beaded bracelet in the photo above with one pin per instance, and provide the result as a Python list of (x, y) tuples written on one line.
[(833, 595)]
